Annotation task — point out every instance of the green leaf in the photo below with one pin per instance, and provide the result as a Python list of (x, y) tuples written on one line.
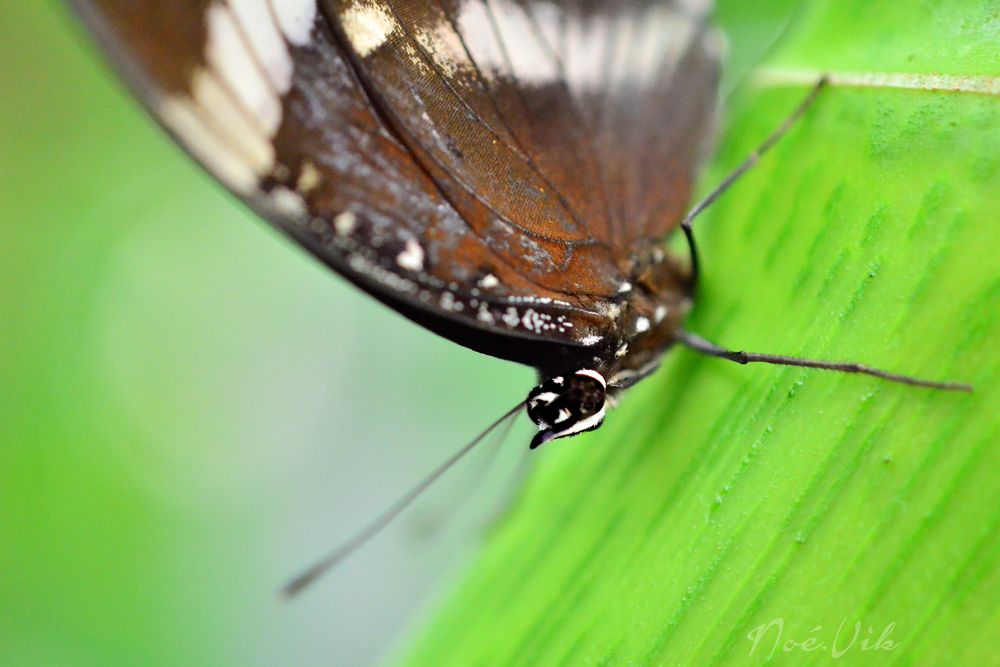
[(721, 501)]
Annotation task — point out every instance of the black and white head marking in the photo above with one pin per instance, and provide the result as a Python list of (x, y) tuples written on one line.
[(566, 405)]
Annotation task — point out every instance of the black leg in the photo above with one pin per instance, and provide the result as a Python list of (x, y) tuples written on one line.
[(699, 344)]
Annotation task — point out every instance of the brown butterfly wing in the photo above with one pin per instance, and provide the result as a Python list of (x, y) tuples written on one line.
[(576, 124), (413, 148)]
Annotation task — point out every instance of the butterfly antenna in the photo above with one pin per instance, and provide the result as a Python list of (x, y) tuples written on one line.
[(744, 167), (699, 344), (362, 537), (472, 481)]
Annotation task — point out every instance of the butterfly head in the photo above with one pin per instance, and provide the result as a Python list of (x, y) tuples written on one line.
[(566, 405)]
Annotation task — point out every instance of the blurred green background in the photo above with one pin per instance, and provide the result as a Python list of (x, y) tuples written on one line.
[(191, 409)]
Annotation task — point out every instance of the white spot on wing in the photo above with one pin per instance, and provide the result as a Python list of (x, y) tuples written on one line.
[(488, 281), (254, 17), (309, 178), (535, 321), (183, 118), (659, 40), (530, 61), (412, 257), (641, 324), (344, 223), (227, 54), (585, 52), (368, 25), (549, 19), (230, 123), (475, 24), (288, 202), (296, 18), (388, 278), (484, 314)]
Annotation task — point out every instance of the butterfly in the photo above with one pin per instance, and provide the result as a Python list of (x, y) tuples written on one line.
[(502, 172)]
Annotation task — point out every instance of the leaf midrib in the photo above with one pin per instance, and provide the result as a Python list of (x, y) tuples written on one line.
[(767, 77)]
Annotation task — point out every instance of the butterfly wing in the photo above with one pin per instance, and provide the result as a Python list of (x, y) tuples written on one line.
[(482, 167), (579, 121)]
